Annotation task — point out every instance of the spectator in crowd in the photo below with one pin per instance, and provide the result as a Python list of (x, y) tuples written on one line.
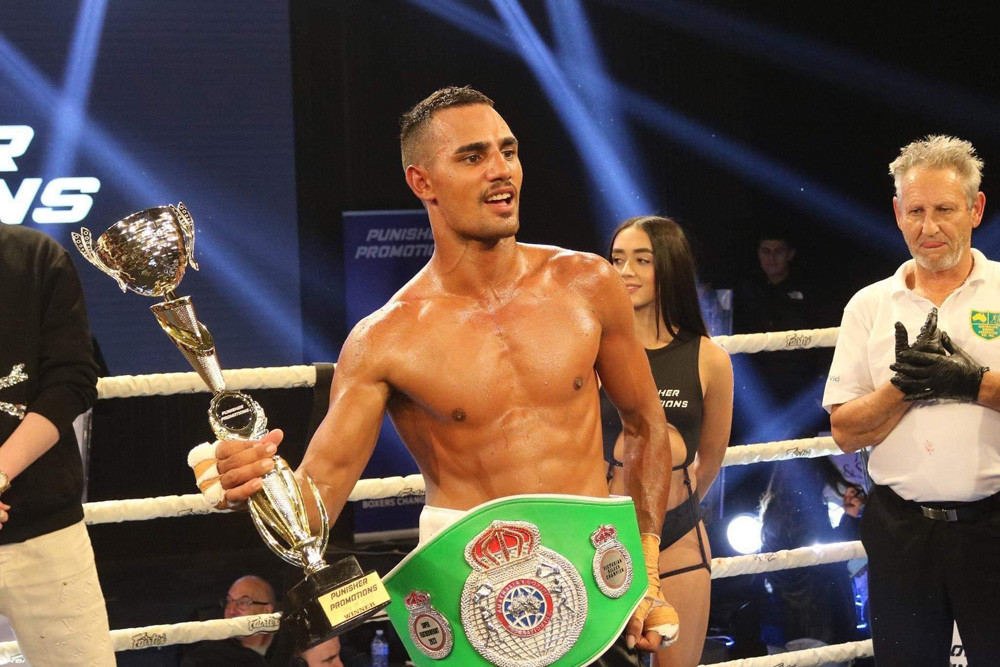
[(808, 606), (777, 298), (781, 297), (324, 654), (331, 653), (249, 595)]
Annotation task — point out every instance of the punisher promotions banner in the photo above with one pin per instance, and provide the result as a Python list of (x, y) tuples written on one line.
[(383, 250), (108, 107)]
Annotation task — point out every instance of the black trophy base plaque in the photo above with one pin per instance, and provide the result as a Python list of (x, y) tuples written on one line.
[(332, 601)]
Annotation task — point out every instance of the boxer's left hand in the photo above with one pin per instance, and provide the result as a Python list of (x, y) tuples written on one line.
[(654, 624), (4, 513), (926, 376)]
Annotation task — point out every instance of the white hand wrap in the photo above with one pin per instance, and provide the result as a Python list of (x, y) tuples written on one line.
[(203, 462)]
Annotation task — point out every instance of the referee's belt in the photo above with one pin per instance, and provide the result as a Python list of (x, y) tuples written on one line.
[(524, 580), (959, 511)]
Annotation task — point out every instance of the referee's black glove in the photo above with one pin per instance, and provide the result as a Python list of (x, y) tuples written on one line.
[(928, 340), (929, 375)]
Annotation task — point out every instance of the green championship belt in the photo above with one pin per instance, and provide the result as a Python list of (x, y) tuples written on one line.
[(522, 581)]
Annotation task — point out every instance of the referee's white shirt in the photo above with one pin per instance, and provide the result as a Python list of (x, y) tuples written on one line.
[(939, 451)]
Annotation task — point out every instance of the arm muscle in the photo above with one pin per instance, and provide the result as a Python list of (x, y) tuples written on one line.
[(717, 418), (624, 371)]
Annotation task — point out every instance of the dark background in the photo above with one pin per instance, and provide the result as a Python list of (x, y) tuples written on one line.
[(730, 117), (814, 101), (733, 118)]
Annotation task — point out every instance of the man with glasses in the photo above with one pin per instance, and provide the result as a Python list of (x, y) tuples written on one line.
[(248, 596)]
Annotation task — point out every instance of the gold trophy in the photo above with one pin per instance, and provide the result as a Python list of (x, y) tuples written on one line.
[(147, 252)]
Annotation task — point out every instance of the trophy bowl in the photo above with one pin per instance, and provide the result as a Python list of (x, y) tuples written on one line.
[(145, 252)]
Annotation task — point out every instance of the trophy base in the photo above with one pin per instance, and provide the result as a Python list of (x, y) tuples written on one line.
[(332, 601)]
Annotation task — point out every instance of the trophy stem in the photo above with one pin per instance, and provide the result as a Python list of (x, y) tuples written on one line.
[(178, 320)]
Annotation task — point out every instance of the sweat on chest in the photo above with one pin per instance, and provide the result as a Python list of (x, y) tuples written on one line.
[(484, 363)]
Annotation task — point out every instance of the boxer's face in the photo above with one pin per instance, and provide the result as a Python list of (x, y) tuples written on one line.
[(632, 255), (934, 214), (471, 177)]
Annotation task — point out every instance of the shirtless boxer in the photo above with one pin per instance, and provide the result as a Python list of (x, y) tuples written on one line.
[(487, 360)]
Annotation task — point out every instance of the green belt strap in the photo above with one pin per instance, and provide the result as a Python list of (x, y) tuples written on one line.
[(427, 587)]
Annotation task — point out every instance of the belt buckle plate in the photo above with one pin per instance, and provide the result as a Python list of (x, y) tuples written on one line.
[(939, 514), (523, 605)]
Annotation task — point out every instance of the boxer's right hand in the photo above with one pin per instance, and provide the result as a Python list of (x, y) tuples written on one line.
[(239, 465)]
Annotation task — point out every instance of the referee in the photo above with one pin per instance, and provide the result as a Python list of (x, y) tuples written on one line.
[(927, 406)]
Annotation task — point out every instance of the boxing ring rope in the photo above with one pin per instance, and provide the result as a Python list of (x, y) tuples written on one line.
[(305, 376), (151, 636), (163, 384), (140, 509), (804, 658), (775, 341), (155, 636), (786, 559)]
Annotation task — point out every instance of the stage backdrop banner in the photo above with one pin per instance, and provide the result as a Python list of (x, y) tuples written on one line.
[(107, 108), (383, 250)]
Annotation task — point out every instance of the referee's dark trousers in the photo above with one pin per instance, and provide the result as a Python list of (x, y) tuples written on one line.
[(927, 573)]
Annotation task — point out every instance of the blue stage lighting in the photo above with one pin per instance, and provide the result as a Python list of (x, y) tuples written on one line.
[(38, 91), (773, 177), (609, 171), (25, 78), (823, 62), (580, 57), (70, 108), (743, 533), (752, 398), (237, 271), (770, 175), (462, 16), (621, 189), (788, 421)]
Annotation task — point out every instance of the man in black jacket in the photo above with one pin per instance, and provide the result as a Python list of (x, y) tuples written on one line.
[(249, 595), (48, 582)]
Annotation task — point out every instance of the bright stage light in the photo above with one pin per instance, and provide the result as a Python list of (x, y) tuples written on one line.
[(743, 533), (836, 511)]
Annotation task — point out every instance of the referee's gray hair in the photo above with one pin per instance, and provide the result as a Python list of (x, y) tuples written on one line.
[(940, 151)]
